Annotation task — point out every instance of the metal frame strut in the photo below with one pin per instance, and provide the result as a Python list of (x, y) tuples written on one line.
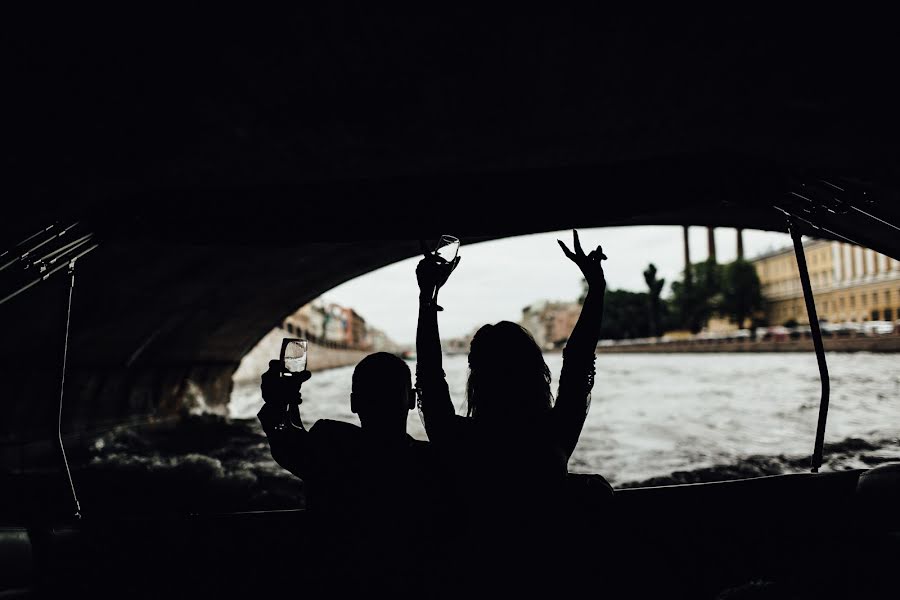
[(818, 449)]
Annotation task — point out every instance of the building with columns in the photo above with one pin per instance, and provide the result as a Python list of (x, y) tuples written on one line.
[(850, 283)]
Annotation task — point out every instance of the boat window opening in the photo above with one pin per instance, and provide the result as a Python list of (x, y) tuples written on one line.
[(724, 402)]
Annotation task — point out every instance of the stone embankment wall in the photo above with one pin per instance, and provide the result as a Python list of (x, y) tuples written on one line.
[(885, 343), (321, 357)]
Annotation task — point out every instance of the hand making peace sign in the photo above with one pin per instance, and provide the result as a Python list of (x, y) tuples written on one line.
[(590, 264)]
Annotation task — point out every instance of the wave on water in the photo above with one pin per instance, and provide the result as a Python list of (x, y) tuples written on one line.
[(205, 463)]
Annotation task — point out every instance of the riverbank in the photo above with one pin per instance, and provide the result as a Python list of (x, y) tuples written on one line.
[(861, 343)]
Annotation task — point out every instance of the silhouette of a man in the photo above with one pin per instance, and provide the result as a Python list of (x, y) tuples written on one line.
[(367, 484), (364, 476)]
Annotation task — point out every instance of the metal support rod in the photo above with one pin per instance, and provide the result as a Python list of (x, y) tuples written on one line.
[(62, 387), (816, 460), (44, 276)]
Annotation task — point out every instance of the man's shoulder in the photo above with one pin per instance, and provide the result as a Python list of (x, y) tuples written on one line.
[(326, 431), (326, 428), (335, 444)]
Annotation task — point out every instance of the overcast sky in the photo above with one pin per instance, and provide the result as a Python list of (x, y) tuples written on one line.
[(495, 280)]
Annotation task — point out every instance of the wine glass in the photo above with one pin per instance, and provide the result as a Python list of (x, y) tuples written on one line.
[(446, 250), (294, 352)]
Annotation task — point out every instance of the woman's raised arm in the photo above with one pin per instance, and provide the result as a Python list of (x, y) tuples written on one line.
[(435, 404), (577, 377)]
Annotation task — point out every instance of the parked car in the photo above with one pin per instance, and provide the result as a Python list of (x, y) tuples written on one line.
[(777, 333), (878, 327), (842, 329), (800, 331)]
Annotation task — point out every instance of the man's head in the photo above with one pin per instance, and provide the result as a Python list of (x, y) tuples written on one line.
[(382, 392)]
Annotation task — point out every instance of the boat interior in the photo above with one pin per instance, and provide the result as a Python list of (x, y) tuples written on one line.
[(198, 175)]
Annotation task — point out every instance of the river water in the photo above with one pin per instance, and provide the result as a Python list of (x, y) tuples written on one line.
[(653, 415), (655, 419)]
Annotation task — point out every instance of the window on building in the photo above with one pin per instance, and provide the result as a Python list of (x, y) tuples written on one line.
[(888, 314), (875, 315), (289, 327), (852, 301), (874, 297)]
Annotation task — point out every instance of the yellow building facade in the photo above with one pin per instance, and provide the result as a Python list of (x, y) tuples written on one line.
[(849, 283)]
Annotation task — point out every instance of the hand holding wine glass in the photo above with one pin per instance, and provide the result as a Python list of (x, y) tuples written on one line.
[(435, 268), (293, 355), (281, 383)]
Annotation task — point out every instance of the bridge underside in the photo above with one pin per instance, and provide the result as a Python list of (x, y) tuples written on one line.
[(234, 167)]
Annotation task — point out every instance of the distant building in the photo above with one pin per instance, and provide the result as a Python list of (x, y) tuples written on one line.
[(564, 320), (378, 341), (550, 323), (307, 322), (849, 283), (459, 345), (354, 329), (534, 321), (336, 325)]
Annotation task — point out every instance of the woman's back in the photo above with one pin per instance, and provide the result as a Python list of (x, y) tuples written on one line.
[(507, 469)]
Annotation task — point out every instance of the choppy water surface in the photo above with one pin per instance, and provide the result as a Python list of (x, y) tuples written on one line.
[(656, 414)]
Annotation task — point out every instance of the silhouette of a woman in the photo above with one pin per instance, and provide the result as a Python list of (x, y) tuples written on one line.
[(510, 453)]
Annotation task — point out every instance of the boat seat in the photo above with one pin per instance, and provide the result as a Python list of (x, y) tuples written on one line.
[(878, 496), (17, 570), (589, 493), (878, 552)]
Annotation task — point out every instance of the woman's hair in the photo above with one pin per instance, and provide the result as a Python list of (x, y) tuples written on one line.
[(507, 374)]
